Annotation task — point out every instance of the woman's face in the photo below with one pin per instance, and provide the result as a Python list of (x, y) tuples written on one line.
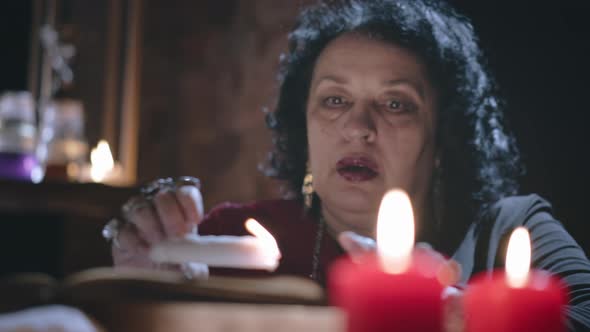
[(371, 124)]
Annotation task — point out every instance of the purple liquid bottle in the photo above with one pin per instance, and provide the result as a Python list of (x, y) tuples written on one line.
[(17, 138)]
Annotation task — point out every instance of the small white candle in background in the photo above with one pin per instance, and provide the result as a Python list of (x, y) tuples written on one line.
[(259, 251), (101, 160), (102, 168)]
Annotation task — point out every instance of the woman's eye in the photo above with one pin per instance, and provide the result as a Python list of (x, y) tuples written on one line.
[(397, 106), (334, 101)]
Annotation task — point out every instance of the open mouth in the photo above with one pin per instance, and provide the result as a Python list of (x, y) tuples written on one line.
[(357, 169)]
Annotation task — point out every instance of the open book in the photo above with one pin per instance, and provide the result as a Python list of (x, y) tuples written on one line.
[(108, 284), (123, 299)]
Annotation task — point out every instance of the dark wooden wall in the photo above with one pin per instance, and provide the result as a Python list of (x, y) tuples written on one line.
[(208, 70)]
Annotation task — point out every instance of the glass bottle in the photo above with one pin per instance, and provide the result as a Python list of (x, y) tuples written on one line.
[(17, 137)]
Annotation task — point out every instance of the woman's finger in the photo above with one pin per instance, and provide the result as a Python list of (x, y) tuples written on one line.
[(191, 202), (453, 310), (145, 218), (450, 273), (423, 248), (129, 249), (356, 245), (170, 214)]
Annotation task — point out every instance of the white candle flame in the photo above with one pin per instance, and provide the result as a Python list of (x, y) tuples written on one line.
[(518, 258), (101, 161), (395, 231), (270, 244)]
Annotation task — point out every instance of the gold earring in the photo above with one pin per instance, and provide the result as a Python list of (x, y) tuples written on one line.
[(307, 189)]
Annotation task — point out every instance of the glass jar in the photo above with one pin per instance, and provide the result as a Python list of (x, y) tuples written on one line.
[(17, 137), (62, 144)]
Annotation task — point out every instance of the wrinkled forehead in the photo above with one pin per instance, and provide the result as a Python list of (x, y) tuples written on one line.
[(357, 55)]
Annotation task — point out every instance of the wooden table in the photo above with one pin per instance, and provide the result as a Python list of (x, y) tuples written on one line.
[(218, 317), (55, 227)]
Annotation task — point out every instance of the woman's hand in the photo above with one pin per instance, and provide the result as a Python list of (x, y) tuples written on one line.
[(448, 274), (164, 210)]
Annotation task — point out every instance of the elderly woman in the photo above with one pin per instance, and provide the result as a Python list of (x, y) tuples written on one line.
[(377, 95)]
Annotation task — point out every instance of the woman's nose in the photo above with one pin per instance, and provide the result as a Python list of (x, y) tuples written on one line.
[(359, 124)]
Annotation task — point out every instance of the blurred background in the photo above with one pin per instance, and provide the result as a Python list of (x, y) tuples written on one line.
[(179, 87)]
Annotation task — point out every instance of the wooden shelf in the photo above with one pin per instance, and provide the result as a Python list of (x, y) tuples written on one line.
[(92, 200)]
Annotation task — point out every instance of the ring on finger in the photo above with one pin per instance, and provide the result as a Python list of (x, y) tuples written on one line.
[(150, 190), (110, 231), (133, 204), (187, 181)]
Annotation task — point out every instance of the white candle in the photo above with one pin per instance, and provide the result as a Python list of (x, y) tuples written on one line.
[(102, 168), (246, 252)]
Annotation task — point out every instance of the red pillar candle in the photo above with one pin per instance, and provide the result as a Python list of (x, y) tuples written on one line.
[(393, 290), (375, 300), (518, 299)]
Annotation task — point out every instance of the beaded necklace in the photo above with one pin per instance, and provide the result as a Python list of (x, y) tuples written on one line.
[(315, 259)]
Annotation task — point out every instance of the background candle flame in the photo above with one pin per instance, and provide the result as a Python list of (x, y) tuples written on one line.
[(270, 244), (518, 258), (395, 231), (101, 160)]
